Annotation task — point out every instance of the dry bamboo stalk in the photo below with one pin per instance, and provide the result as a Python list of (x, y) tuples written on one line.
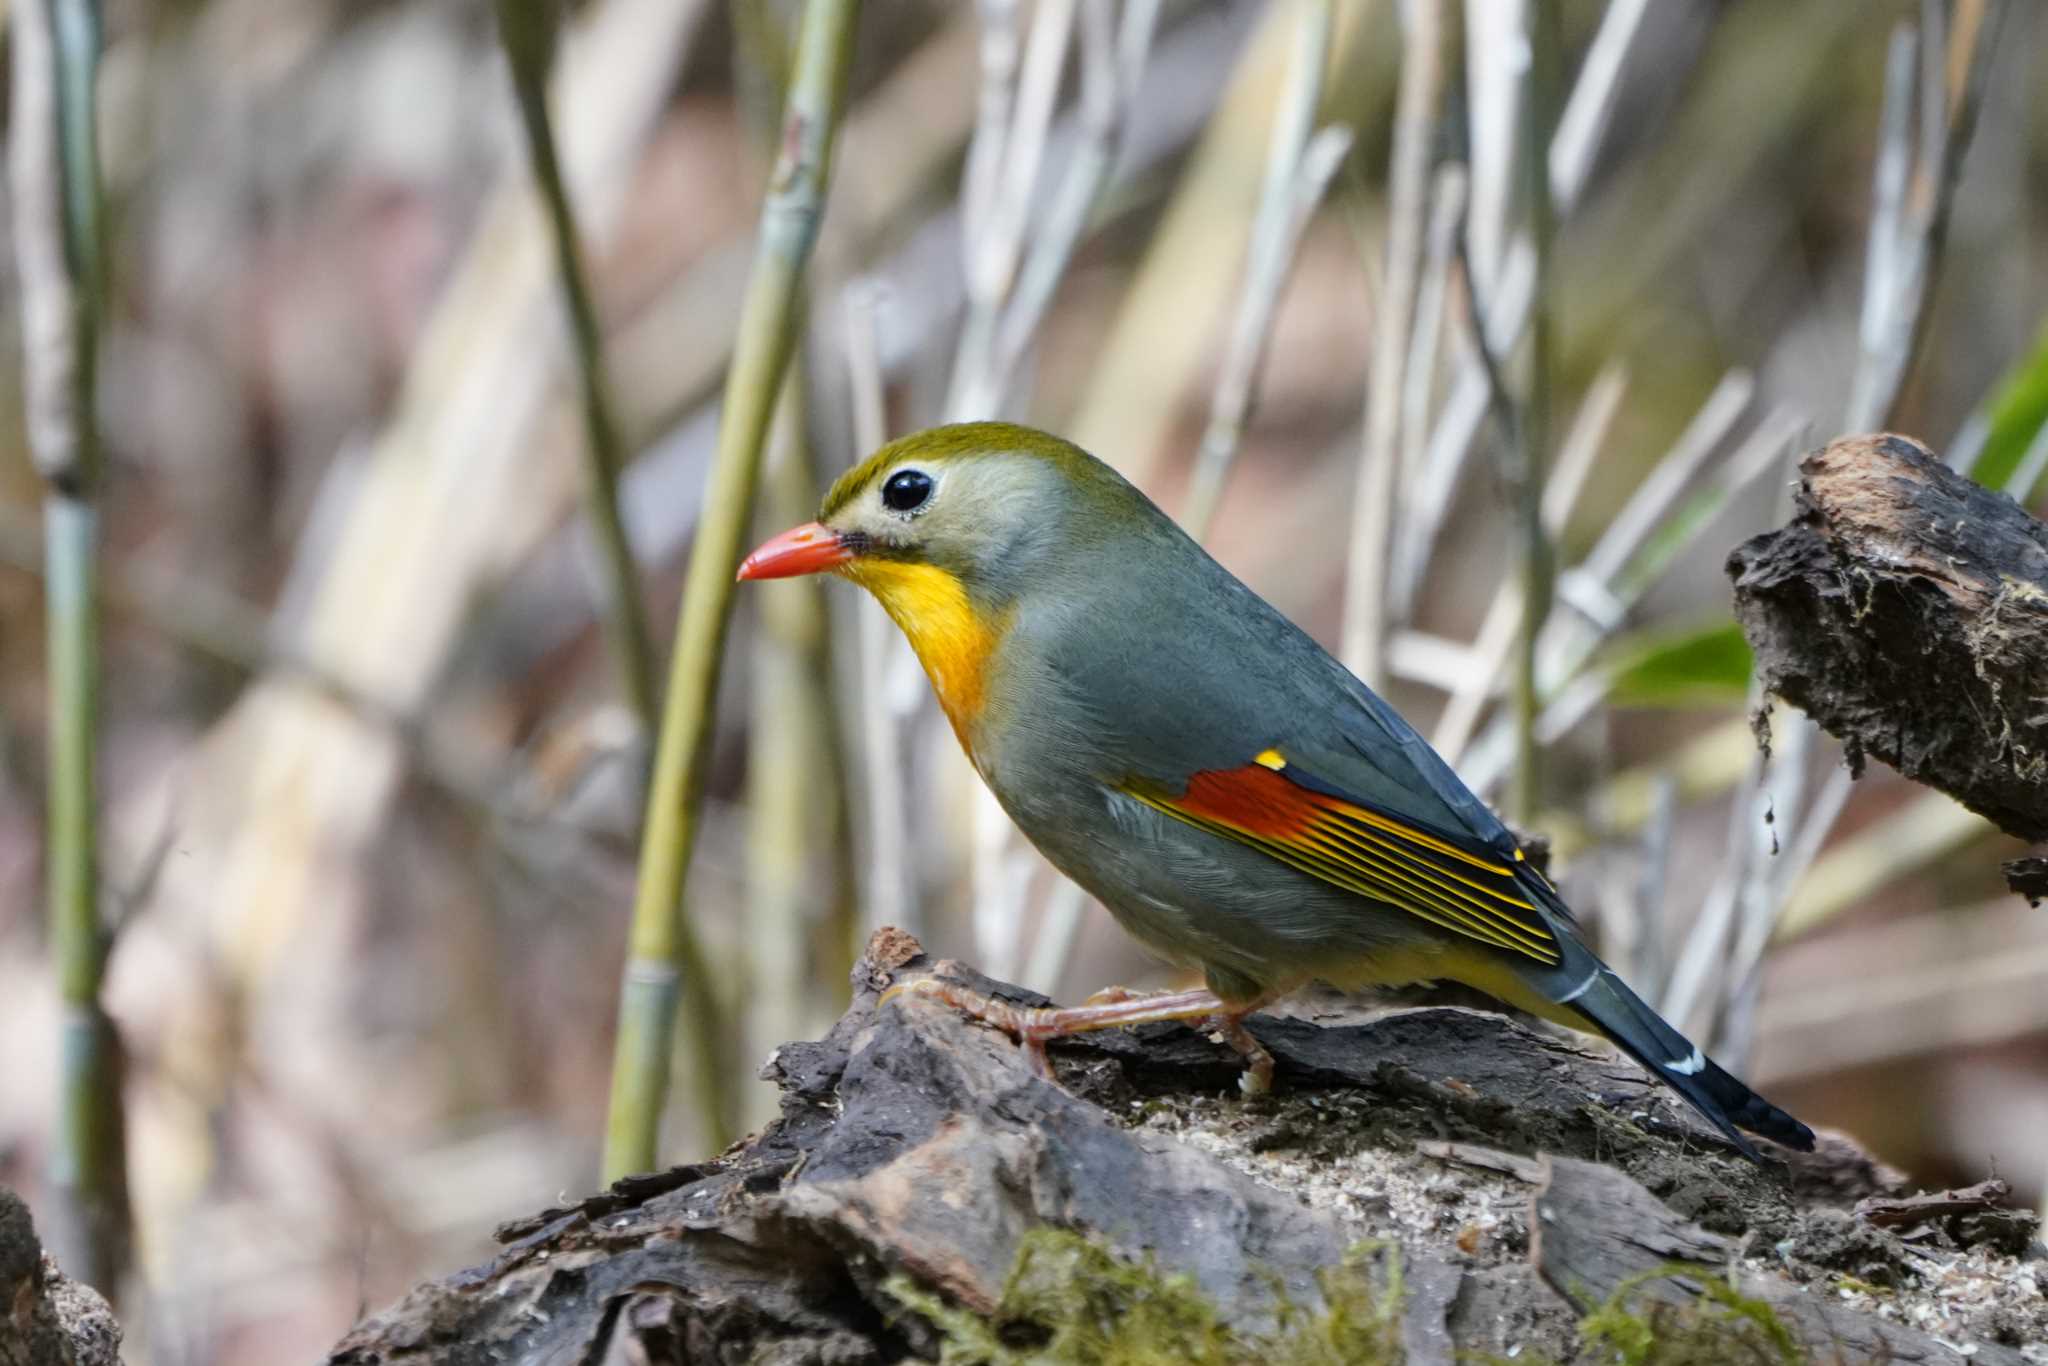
[(1292, 185), (1425, 354), (1372, 507), (1110, 72), (1009, 143), (1164, 325), (1601, 602), (1509, 289), (1576, 457), (891, 891)]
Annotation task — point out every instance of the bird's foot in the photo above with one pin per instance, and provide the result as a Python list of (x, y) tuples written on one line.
[(1032, 1027), (1257, 1077), (1117, 995)]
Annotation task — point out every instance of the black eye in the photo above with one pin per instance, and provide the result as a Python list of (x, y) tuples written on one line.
[(906, 490)]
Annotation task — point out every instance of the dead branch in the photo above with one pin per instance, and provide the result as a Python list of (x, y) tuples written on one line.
[(1905, 608)]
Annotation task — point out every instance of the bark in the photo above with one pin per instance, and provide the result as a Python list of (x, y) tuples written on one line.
[(916, 1145), (1598, 1231), (1905, 608), (47, 1319)]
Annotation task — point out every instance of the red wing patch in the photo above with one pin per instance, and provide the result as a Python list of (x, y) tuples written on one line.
[(1362, 850)]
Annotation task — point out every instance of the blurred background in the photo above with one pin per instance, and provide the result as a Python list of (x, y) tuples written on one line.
[(370, 785)]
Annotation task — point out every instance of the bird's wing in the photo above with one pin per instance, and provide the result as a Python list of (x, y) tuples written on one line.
[(1452, 878)]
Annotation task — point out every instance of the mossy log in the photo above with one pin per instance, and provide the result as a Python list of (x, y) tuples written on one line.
[(1905, 609), (1415, 1189)]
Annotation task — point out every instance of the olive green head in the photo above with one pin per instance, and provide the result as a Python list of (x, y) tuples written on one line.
[(983, 501)]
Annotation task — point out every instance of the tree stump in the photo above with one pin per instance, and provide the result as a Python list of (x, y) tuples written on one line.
[(1454, 1182)]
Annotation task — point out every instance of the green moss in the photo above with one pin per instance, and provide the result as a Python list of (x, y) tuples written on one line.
[(1857, 1283), (1722, 1327), (1069, 1301)]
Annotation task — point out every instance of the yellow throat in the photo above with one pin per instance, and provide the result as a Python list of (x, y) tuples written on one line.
[(953, 642)]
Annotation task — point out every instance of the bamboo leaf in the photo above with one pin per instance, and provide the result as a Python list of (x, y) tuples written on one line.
[(1703, 664), (2016, 412)]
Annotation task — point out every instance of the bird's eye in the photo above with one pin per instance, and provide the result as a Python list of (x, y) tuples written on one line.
[(906, 490)]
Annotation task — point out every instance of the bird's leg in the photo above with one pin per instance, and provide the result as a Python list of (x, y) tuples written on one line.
[(1033, 1027)]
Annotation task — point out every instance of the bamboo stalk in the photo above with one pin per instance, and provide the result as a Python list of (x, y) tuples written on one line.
[(1580, 130), (60, 255), (891, 892), (1423, 369), (1160, 335), (1496, 634), (996, 207), (1572, 690), (664, 967), (529, 41), (1372, 510), (1110, 71), (1538, 561), (1012, 264), (1297, 170), (1909, 224)]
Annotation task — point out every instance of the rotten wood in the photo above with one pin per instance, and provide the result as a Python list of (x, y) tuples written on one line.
[(46, 1318), (1598, 1232), (1905, 609), (915, 1144), (2028, 877)]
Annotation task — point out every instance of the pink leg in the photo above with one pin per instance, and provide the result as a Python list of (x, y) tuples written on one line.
[(1032, 1027)]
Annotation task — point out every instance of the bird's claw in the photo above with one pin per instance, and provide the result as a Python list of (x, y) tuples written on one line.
[(1257, 1077)]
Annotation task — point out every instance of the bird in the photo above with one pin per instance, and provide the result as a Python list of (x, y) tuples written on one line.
[(1237, 799)]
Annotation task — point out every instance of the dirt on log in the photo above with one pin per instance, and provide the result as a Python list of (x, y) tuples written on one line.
[(1905, 609), (1488, 1185)]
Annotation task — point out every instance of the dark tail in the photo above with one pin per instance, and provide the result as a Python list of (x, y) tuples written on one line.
[(1607, 1003)]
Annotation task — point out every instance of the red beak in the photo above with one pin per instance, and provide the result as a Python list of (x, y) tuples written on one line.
[(807, 549)]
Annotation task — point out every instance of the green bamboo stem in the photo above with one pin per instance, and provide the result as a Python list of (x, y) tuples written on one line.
[(60, 250), (1538, 569), (528, 38), (664, 968)]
